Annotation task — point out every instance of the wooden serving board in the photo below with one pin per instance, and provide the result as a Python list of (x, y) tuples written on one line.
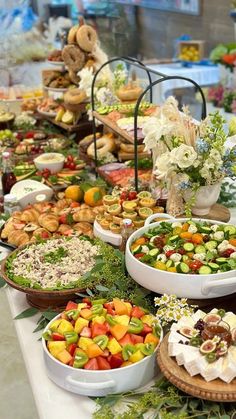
[(217, 212), (113, 126), (122, 156), (216, 390)]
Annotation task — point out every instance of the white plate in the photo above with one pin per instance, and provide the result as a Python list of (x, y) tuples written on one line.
[(106, 235), (54, 89), (59, 63), (50, 114)]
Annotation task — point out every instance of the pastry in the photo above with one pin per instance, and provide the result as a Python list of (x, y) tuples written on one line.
[(49, 221), (85, 214), (18, 238), (30, 215), (104, 144)]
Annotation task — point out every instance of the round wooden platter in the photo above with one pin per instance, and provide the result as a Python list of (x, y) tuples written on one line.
[(216, 390), (217, 212)]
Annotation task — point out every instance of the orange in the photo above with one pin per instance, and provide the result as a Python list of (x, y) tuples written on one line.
[(93, 196), (74, 192)]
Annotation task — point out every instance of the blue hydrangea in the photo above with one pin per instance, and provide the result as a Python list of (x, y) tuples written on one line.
[(202, 146), (184, 185)]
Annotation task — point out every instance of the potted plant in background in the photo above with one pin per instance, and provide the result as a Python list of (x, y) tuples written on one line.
[(191, 157)]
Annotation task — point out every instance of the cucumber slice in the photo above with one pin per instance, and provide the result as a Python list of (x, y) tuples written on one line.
[(154, 252), (205, 270), (182, 268), (213, 266), (185, 258), (170, 263), (173, 238), (212, 244), (230, 229), (200, 249), (188, 247), (137, 249), (221, 260)]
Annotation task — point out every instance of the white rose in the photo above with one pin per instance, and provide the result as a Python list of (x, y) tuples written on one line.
[(184, 156), (163, 164)]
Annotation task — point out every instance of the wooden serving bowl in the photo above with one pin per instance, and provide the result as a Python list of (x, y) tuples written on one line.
[(39, 298)]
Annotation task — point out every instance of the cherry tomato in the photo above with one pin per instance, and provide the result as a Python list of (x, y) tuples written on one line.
[(169, 253), (195, 265), (139, 255), (70, 158), (72, 166), (123, 195), (227, 253)]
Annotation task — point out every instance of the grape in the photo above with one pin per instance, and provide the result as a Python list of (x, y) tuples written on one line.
[(199, 325)]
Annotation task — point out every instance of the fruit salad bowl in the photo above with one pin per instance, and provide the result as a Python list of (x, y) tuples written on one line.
[(91, 358), (174, 276)]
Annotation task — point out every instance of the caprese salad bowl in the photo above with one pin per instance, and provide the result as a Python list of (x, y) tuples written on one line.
[(190, 258)]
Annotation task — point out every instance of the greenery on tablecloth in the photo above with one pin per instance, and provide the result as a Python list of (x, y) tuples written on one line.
[(162, 401)]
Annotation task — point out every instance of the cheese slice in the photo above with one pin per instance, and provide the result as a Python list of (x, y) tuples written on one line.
[(228, 371), (189, 353), (230, 318), (212, 370), (198, 315), (176, 337), (175, 349), (194, 366)]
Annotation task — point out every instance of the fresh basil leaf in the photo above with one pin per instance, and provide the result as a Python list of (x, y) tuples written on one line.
[(101, 288), (29, 312)]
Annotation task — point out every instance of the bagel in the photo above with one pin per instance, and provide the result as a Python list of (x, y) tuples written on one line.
[(86, 38), (74, 78), (105, 144), (71, 37), (130, 92), (74, 96), (73, 57), (129, 148)]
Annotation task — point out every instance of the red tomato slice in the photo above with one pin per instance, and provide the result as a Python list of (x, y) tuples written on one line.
[(139, 255), (71, 306), (103, 364), (92, 364)]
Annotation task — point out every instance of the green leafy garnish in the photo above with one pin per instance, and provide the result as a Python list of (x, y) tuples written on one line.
[(56, 256)]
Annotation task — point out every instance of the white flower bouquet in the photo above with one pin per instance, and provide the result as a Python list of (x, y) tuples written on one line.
[(186, 153)]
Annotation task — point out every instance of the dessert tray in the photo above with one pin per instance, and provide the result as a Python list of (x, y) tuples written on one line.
[(199, 355)]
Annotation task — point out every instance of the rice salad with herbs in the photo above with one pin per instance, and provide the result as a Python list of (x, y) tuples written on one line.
[(54, 264)]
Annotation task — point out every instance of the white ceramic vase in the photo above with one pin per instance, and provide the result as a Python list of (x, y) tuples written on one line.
[(206, 196)]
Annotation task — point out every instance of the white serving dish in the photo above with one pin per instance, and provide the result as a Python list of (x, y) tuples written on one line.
[(26, 191), (106, 235), (49, 114), (192, 286), (53, 166), (99, 383)]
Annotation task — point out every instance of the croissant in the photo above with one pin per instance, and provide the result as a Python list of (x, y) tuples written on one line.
[(63, 203), (84, 227), (7, 229), (63, 228), (49, 221), (99, 209), (40, 232), (43, 206), (86, 214), (18, 238), (30, 214)]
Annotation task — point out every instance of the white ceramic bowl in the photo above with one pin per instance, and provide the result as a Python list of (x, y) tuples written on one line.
[(99, 383), (44, 162), (27, 191), (192, 286)]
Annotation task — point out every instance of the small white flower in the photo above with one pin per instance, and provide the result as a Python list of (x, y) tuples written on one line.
[(162, 165)]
